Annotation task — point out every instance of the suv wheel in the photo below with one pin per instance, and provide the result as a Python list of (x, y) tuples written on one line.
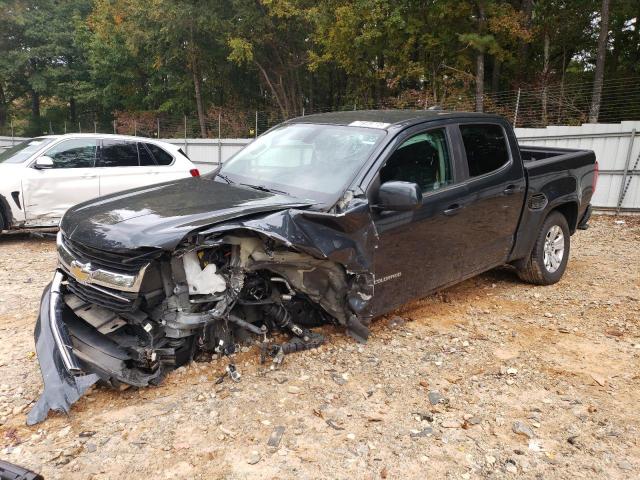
[(3, 222), (550, 254)]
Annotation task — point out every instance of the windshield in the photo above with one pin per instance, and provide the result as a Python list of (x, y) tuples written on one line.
[(305, 160), (20, 152)]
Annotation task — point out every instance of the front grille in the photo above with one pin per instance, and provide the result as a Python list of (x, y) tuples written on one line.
[(121, 302), (127, 263)]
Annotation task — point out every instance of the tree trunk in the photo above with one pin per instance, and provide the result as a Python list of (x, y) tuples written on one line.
[(545, 76), (480, 61), (480, 82), (564, 69), (527, 12), (197, 84), (197, 81), (596, 95), (72, 110), (495, 75), (274, 91), (3, 108), (35, 104)]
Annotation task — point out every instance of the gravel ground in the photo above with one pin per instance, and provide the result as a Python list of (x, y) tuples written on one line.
[(489, 379)]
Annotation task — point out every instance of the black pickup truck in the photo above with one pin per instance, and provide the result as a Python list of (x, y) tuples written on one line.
[(330, 218)]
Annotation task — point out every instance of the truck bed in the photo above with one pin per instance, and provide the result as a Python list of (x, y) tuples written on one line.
[(543, 160)]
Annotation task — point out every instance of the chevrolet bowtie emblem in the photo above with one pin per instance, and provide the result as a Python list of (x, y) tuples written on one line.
[(81, 271)]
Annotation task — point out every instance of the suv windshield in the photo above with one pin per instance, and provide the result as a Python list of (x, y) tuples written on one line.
[(20, 152), (305, 160)]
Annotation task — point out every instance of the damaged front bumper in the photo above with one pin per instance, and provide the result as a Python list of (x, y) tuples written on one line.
[(64, 379)]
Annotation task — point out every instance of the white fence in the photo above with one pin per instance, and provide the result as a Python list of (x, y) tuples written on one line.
[(209, 153), (616, 146), (617, 151)]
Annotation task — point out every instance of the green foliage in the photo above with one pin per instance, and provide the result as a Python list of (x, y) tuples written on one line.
[(85, 60)]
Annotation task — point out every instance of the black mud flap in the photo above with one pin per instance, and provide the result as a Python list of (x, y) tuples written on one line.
[(584, 223), (61, 388)]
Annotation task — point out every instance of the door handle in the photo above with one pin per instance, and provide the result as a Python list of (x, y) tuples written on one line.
[(453, 209), (510, 190), (89, 176)]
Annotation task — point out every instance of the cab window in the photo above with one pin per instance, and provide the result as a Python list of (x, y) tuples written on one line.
[(486, 148), (77, 153), (423, 159)]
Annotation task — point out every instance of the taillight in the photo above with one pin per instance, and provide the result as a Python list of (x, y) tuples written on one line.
[(596, 174), (194, 172)]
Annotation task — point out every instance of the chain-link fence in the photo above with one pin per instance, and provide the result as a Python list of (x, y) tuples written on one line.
[(539, 106)]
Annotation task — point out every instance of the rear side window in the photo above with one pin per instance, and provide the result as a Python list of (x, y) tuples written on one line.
[(486, 148), (162, 157), (80, 153), (146, 159), (116, 153)]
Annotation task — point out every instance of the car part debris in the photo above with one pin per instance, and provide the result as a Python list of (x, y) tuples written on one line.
[(233, 372), (9, 471), (275, 437)]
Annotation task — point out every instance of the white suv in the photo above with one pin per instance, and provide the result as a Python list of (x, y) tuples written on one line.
[(42, 177)]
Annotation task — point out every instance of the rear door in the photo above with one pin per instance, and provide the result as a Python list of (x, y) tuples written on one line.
[(119, 167), (495, 191), (48, 193), (163, 166)]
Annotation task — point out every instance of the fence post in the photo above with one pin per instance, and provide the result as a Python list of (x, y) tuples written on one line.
[(158, 128), (12, 139), (50, 128), (303, 111), (256, 130), (186, 147), (95, 127), (515, 114), (626, 171), (65, 127), (79, 128), (114, 126), (135, 128), (219, 139)]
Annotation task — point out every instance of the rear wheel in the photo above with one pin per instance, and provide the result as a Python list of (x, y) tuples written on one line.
[(550, 254)]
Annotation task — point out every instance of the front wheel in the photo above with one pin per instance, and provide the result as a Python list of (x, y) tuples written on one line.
[(550, 254)]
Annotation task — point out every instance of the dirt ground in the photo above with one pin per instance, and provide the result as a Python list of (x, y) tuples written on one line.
[(492, 378)]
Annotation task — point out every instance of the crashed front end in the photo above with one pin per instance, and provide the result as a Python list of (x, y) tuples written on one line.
[(129, 317)]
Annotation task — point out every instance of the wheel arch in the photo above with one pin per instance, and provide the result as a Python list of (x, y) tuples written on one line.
[(570, 211), (5, 211)]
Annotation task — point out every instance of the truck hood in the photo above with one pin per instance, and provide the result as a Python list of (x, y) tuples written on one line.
[(160, 216)]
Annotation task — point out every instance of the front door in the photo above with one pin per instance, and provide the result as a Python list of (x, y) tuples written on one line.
[(48, 193), (420, 250)]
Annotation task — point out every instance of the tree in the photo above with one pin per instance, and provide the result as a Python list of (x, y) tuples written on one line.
[(598, 79)]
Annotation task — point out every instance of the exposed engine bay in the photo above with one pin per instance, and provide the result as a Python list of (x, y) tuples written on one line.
[(130, 317), (208, 300)]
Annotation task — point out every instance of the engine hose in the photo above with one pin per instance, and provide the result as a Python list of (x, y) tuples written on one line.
[(246, 325)]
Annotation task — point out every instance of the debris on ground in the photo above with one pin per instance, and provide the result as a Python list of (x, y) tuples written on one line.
[(439, 393)]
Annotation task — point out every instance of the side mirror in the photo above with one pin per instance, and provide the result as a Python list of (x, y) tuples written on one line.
[(399, 196), (43, 163)]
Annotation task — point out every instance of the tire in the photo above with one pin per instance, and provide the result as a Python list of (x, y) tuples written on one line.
[(548, 259), (3, 221)]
